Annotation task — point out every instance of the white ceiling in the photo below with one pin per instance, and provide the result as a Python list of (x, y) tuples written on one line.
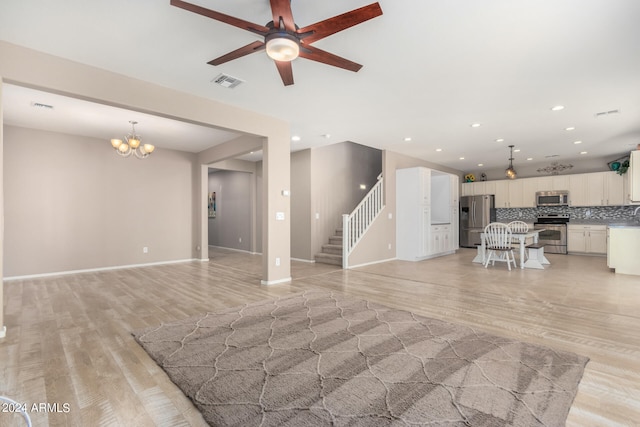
[(431, 69)]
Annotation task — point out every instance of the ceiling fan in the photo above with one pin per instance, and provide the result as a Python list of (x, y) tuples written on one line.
[(284, 40)]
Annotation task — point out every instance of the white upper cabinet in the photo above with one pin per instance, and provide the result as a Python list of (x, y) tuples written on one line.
[(501, 191), (558, 183), (585, 189), (474, 188), (613, 189), (596, 189)]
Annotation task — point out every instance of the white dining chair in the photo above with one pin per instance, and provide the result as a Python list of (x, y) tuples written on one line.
[(519, 227), (498, 244)]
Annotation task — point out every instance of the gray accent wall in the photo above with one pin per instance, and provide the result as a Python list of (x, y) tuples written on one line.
[(235, 209), (71, 203)]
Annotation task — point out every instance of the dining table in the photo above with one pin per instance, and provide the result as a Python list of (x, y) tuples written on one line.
[(521, 239)]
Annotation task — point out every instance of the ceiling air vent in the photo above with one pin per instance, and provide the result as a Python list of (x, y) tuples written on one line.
[(40, 105), (607, 113), (226, 80)]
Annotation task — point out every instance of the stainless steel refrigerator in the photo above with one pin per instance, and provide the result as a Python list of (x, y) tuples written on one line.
[(475, 213)]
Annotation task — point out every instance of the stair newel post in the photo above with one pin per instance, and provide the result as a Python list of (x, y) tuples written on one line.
[(346, 238)]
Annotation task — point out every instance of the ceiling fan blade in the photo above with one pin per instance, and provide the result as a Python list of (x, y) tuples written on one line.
[(325, 28), (282, 9), (286, 72), (244, 50), (236, 22), (318, 55)]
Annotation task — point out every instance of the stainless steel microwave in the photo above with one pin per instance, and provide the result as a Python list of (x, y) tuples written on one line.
[(552, 198)]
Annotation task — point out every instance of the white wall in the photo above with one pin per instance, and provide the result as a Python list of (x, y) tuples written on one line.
[(72, 203)]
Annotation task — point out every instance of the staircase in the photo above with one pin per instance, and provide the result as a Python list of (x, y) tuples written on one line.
[(356, 225), (332, 252)]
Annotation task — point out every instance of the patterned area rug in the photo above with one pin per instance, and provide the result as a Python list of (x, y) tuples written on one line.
[(321, 358)]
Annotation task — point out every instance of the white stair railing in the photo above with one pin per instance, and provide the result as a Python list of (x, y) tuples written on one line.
[(355, 224)]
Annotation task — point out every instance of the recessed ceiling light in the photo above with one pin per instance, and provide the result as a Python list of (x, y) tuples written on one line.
[(407, 139), (480, 164), (570, 128), (438, 149), (461, 158), (500, 140), (529, 158), (295, 138), (577, 142), (557, 108), (583, 152), (326, 135), (475, 125), (517, 150)]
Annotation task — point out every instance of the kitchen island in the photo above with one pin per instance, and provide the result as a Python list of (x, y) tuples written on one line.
[(623, 252)]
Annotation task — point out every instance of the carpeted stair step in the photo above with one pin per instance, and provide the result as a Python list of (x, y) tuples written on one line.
[(329, 259), (335, 240), (332, 249)]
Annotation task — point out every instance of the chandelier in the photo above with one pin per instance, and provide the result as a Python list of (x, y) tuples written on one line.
[(132, 144), (510, 172)]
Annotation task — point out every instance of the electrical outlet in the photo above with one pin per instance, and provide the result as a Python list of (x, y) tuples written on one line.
[(240, 239), (277, 262), (389, 246), (145, 250)]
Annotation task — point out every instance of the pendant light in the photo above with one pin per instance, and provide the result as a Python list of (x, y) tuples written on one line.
[(511, 172)]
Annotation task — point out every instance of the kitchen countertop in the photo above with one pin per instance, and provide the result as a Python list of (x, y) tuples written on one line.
[(606, 222), (627, 224), (609, 222)]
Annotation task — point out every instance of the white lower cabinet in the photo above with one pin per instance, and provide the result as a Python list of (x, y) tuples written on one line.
[(440, 239), (587, 239)]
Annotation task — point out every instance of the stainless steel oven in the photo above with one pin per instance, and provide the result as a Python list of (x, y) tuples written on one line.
[(554, 234)]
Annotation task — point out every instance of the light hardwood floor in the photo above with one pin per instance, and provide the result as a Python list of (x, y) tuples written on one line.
[(68, 337)]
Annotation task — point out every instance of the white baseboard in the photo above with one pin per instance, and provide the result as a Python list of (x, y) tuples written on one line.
[(95, 270), (310, 261), (236, 250), (3, 332), (371, 263), (275, 282)]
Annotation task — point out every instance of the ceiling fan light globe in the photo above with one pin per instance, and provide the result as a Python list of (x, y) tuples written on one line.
[(283, 48)]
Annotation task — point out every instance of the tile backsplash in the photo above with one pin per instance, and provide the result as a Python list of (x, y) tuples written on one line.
[(590, 212)]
